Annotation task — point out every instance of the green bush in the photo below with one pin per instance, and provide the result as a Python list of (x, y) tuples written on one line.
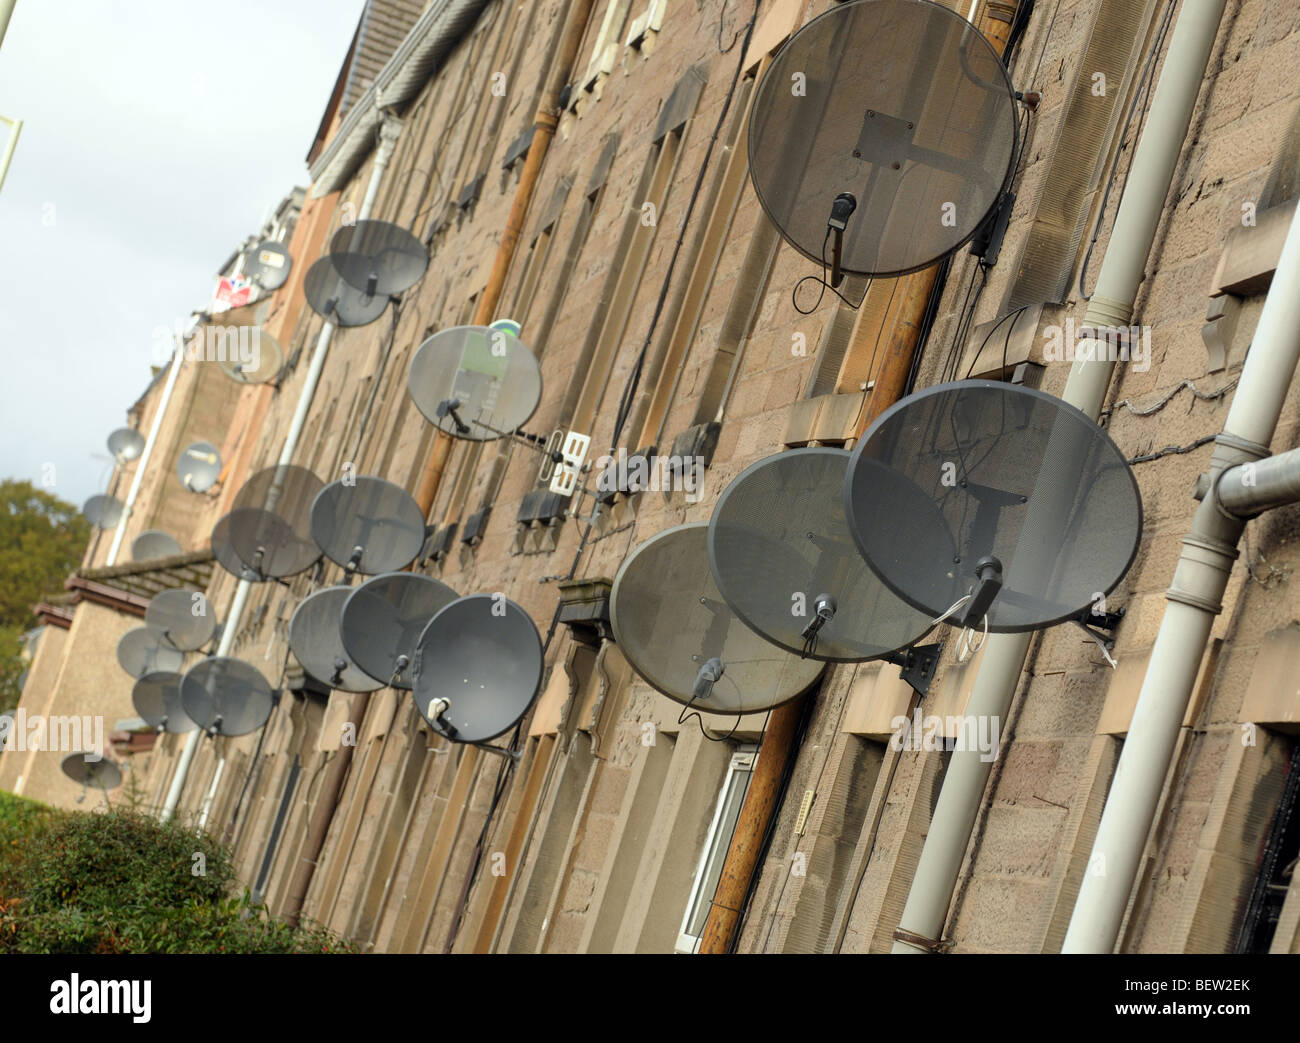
[(119, 881), (21, 821)]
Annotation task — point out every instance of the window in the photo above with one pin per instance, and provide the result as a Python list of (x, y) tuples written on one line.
[(716, 843), (1277, 866)]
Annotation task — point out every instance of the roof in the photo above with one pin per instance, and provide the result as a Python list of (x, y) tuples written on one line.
[(144, 579)]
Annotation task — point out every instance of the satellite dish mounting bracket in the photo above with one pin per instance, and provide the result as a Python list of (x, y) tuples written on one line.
[(916, 665)]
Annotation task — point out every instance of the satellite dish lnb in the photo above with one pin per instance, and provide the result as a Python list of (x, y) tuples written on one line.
[(146, 650), (475, 382), (676, 631), (314, 637), (269, 527), (183, 617), (882, 136), (226, 696), (269, 265), (333, 299), (367, 525), (126, 444), (477, 668), (199, 466), (103, 511), (383, 618), (157, 698), (378, 257), (998, 496), (784, 561)]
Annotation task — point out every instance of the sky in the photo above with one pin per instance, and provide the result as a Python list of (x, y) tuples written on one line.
[(157, 135)]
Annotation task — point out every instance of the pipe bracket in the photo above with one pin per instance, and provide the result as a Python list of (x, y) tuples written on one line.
[(919, 941)]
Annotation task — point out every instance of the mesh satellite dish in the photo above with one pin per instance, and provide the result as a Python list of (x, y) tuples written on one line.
[(314, 637), (367, 525), (270, 524), (224, 552), (475, 383), (157, 698), (676, 631), (103, 511), (383, 618), (378, 257), (183, 618), (269, 265), (999, 492), (154, 543), (126, 443), (199, 466), (332, 298), (226, 696), (101, 773), (145, 650), (887, 126), (477, 668), (258, 360), (781, 554)]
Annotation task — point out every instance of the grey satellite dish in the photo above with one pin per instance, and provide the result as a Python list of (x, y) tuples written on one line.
[(378, 257), (226, 696), (367, 525), (270, 524), (258, 360), (475, 382), (126, 444), (144, 650), (477, 668), (269, 265), (225, 554), (383, 618), (783, 560), (333, 299), (183, 617), (315, 639), (995, 491), (676, 631), (157, 698), (899, 143), (199, 466), (103, 511), (99, 772), (154, 543)]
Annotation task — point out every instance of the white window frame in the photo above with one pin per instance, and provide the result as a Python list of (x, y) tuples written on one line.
[(741, 766)]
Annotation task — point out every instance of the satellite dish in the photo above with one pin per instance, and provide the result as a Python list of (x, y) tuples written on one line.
[(265, 361), (199, 466), (783, 559), (383, 618), (332, 298), (477, 668), (269, 265), (907, 110), (998, 491), (103, 511), (676, 631), (126, 443), (226, 696), (475, 383), (101, 772), (145, 650), (182, 617), (270, 524), (157, 698), (225, 554), (154, 543), (315, 639), (367, 525), (377, 257)]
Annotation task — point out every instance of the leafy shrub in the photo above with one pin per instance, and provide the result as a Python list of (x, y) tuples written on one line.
[(119, 881)]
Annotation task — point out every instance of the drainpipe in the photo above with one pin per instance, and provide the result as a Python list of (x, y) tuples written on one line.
[(389, 130), (1195, 598), (178, 359), (1111, 305)]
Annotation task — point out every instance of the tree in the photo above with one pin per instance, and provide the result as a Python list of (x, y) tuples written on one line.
[(42, 539)]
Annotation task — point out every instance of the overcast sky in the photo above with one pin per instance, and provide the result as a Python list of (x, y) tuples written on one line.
[(157, 134)]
